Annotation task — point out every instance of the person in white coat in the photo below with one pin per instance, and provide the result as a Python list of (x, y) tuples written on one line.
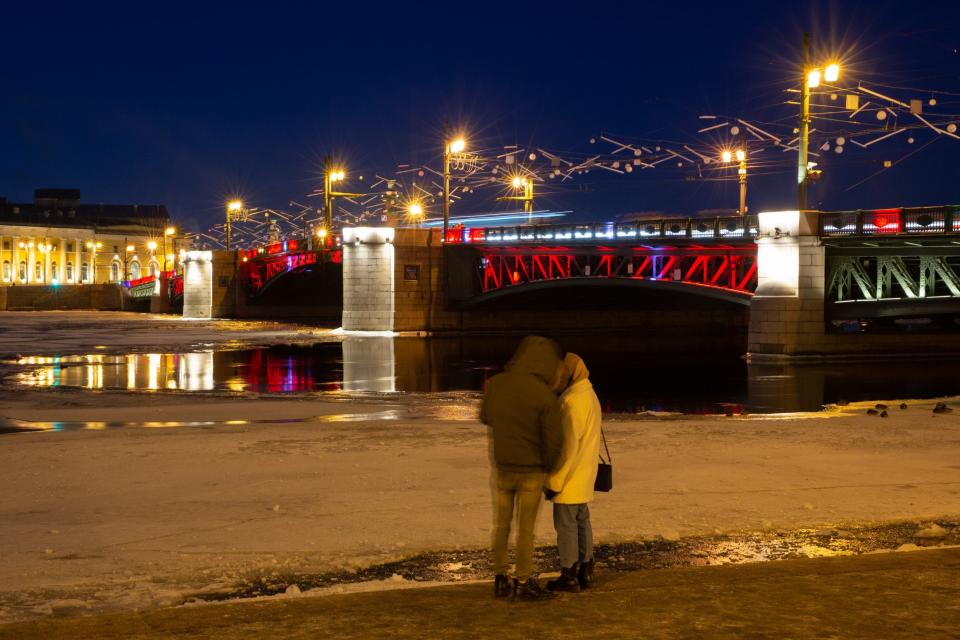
[(570, 486)]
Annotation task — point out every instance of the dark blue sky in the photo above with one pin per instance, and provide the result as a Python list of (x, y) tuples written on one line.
[(185, 103)]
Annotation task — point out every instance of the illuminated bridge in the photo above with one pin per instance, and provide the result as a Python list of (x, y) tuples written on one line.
[(710, 257), (806, 282)]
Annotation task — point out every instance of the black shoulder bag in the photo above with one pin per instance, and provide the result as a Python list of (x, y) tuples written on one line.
[(604, 481)]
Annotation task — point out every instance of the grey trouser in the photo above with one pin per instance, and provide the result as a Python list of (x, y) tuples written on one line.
[(574, 535), (523, 491)]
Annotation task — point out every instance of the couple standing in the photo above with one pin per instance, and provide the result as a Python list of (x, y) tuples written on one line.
[(543, 446)]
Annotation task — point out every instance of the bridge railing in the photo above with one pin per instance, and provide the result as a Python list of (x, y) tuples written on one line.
[(724, 228), (890, 222)]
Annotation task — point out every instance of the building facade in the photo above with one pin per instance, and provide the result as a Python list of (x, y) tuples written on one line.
[(57, 240)]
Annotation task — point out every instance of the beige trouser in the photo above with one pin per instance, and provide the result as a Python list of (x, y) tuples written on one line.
[(523, 492)]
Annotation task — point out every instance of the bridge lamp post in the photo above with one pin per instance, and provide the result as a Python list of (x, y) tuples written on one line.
[(810, 80), (526, 184), (331, 176), (234, 212), (727, 156), (450, 147), (169, 231)]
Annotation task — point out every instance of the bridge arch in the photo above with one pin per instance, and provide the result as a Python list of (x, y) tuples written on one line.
[(729, 296)]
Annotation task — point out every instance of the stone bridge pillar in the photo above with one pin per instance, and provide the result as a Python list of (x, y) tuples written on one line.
[(368, 279), (392, 281), (210, 284), (786, 313)]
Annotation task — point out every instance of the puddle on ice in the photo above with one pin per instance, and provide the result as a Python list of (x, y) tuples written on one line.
[(26, 426)]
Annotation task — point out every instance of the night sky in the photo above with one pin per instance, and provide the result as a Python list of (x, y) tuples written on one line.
[(184, 104)]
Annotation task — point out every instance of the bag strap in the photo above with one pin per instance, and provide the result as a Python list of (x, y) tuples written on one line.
[(609, 460)]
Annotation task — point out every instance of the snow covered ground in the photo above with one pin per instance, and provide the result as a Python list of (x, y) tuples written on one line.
[(132, 500), (137, 516)]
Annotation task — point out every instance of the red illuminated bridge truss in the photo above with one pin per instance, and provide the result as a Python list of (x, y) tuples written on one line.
[(727, 271)]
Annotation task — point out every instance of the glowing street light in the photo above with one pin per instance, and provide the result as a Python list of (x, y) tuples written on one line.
[(93, 246), (450, 147), (415, 210), (525, 183), (832, 72), (126, 252), (332, 175), (234, 212), (726, 156), (152, 246), (810, 79), (169, 231)]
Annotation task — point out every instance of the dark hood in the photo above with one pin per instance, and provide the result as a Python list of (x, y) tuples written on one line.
[(536, 355)]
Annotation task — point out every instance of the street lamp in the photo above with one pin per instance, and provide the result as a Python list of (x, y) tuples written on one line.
[(526, 183), (234, 212), (45, 250), (332, 175), (415, 212), (727, 156), (169, 231), (450, 147), (93, 246), (810, 79)]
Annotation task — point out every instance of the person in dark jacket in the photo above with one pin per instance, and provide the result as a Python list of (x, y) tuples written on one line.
[(522, 410)]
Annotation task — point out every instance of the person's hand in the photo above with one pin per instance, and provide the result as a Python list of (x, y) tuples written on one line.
[(549, 493)]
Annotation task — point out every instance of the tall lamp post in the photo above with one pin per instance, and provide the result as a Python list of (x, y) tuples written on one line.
[(526, 184), (331, 176), (727, 157), (93, 246), (234, 212), (450, 147), (169, 231), (810, 79), (152, 247)]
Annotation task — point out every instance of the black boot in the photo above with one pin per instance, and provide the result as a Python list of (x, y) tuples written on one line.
[(530, 589), (567, 580), (585, 576), (501, 586)]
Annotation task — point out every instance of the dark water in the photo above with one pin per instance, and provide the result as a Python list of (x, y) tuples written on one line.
[(628, 379)]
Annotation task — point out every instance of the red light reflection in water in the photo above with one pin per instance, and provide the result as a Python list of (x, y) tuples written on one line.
[(284, 373)]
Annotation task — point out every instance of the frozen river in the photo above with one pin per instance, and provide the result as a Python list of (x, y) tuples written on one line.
[(131, 499)]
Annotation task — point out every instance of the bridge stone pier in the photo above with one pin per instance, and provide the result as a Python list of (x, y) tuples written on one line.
[(786, 312), (797, 278), (391, 281), (209, 284)]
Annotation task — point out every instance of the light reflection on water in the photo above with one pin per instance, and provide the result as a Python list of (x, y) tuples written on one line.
[(627, 379), (150, 372), (21, 426)]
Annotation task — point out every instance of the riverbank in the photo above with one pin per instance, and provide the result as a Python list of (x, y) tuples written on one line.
[(896, 595), (130, 501)]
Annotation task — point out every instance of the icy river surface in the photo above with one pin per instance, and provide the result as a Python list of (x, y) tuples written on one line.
[(627, 380)]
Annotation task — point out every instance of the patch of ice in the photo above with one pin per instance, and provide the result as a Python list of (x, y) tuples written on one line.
[(933, 531)]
